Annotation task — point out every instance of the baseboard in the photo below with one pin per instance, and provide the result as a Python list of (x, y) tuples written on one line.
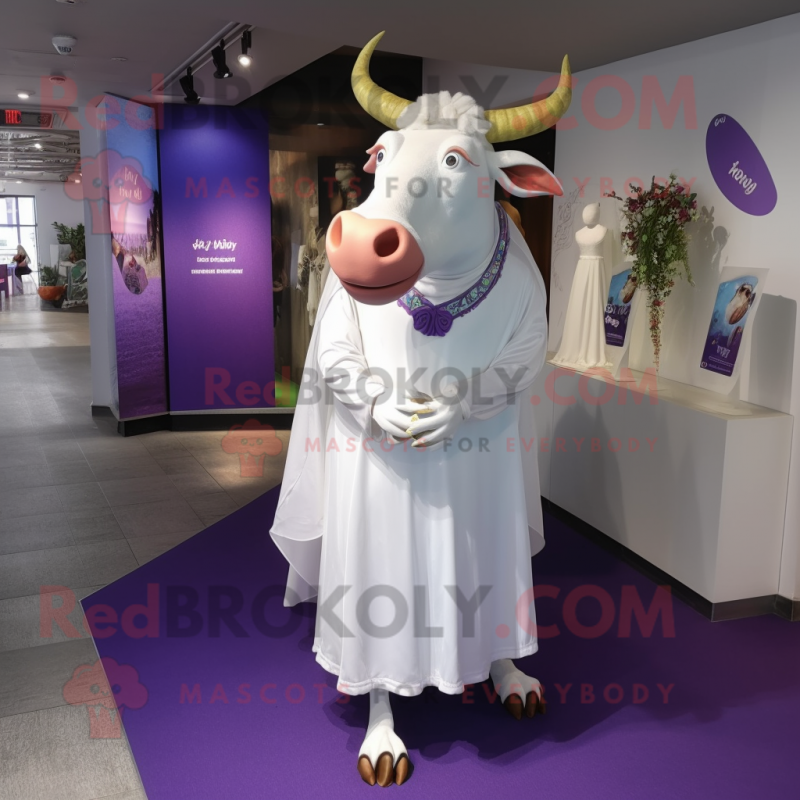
[(739, 609), (192, 422), (135, 427), (224, 422), (786, 608), (716, 612)]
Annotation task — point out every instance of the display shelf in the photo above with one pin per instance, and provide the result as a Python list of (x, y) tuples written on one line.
[(681, 393), (693, 482)]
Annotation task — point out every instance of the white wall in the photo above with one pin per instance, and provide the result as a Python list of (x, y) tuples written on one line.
[(491, 87), (102, 334), (751, 74), (52, 205)]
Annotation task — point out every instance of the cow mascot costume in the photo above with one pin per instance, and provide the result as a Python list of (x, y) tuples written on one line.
[(410, 506)]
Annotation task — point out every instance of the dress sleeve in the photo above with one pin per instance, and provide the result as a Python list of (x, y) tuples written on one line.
[(343, 365), (515, 367)]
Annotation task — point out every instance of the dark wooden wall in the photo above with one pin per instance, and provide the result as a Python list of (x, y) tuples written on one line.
[(536, 212)]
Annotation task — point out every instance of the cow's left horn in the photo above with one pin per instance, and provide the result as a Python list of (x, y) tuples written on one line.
[(515, 123), (378, 103)]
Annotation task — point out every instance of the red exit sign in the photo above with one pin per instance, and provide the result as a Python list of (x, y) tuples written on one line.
[(23, 118)]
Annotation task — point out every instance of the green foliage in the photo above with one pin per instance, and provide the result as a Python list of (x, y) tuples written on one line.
[(75, 237), (78, 289), (656, 239), (50, 276)]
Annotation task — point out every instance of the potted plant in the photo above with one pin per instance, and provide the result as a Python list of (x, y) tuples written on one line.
[(51, 285), (74, 237), (656, 239)]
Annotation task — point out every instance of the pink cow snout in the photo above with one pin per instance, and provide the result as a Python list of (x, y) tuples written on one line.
[(376, 260)]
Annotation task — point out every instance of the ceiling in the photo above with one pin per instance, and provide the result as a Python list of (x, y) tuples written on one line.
[(160, 37), (39, 155), (157, 36), (526, 34)]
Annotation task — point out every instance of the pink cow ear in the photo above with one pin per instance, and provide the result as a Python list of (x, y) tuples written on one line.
[(533, 179), (524, 176)]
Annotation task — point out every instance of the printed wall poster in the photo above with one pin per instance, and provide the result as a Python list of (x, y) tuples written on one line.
[(734, 300), (218, 256), (618, 308), (738, 168), (130, 164)]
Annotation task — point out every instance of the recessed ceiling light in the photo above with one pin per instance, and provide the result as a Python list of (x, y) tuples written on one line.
[(57, 79), (24, 95), (17, 181), (37, 145), (118, 58)]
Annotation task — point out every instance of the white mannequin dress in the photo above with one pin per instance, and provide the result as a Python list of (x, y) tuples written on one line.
[(583, 344), (359, 513)]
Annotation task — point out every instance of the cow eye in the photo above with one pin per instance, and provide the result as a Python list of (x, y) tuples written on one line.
[(451, 160), (379, 156)]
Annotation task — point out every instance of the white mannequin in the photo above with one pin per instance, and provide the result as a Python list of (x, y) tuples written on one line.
[(583, 342)]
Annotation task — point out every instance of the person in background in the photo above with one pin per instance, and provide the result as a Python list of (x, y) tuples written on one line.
[(22, 266)]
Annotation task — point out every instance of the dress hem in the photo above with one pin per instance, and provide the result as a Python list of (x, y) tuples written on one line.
[(414, 689)]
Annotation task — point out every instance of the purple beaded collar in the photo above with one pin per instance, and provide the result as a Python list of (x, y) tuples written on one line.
[(431, 320)]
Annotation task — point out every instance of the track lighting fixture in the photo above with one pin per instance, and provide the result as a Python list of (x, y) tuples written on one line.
[(187, 84), (218, 57), (247, 42)]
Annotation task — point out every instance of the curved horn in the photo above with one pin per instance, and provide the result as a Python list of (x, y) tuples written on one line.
[(378, 103), (515, 123)]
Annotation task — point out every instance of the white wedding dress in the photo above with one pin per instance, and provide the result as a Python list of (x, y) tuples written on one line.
[(417, 528), (583, 344)]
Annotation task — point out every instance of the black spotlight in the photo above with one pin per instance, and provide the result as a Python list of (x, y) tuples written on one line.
[(247, 42), (218, 56), (187, 84)]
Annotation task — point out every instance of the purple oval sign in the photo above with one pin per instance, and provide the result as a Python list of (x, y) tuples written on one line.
[(738, 168)]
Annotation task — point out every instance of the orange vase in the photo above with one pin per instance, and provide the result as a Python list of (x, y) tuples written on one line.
[(51, 292)]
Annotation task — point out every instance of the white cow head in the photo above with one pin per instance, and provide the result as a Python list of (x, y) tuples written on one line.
[(432, 209)]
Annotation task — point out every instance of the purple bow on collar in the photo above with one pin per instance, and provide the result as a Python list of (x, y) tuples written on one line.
[(431, 320)]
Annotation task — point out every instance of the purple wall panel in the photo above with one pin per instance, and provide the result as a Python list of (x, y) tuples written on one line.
[(217, 243)]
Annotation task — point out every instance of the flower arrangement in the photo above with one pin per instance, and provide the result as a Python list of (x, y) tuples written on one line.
[(655, 237)]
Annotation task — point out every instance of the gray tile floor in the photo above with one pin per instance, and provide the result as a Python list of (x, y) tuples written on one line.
[(80, 506)]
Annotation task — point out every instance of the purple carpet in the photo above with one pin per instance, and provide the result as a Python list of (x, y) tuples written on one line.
[(258, 718)]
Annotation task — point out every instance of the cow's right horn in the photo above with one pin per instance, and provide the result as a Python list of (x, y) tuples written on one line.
[(515, 123), (378, 103)]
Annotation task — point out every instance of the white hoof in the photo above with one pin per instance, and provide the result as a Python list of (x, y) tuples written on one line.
[(379, 759), (518, 692)]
